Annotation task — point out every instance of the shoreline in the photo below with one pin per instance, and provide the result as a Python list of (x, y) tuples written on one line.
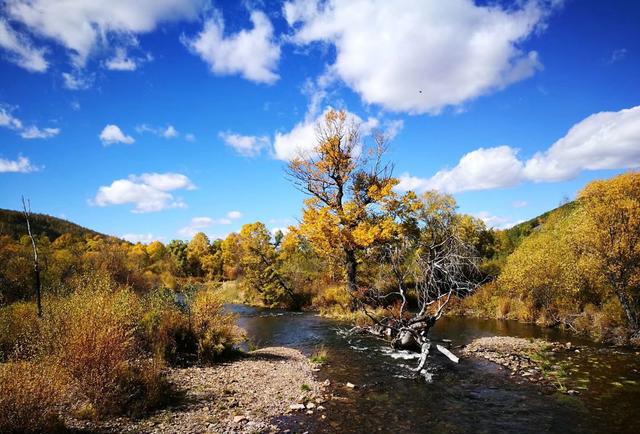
[(260, 391)]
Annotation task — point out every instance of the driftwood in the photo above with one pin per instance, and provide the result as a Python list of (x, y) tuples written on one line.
[(449, 354)]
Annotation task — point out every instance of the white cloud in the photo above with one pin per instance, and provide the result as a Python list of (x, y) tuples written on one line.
[(82, 25), (20, 50), (141, 238), (234, 215), (478, 170), (76, 80), (421, 56), (168, 132), (113, 134), (605, 140), (121, 61), (198, 224), (34, 132), (247, 146), (617, 55), (253, 53), (7, 120), (149, 192), (496, 222), (21, 165), (302, 139)]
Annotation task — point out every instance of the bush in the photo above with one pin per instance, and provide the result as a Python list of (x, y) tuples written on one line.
[(31, 394), (165, 328), (18, 325), (215, 331)]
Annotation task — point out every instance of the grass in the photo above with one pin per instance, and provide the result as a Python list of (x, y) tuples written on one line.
[(305, 388), (319, 356)]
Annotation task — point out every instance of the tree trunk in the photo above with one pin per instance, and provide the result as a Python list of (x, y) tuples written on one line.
[(36, 284), (352, 269), (629, 310)]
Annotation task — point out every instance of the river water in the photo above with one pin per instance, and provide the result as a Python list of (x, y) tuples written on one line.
[(472, 396)]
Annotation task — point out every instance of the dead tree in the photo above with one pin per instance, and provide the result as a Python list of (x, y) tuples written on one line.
[(427, 271), (26, 211)]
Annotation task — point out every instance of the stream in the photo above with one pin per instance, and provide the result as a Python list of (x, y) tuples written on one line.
[(472, 396)]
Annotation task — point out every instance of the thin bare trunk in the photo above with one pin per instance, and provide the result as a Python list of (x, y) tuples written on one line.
[(26, 209)]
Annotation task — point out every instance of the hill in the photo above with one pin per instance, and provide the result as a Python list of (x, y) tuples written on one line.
[(516, 234), (12, 223)]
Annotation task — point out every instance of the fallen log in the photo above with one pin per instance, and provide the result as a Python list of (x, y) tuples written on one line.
[(449, 354)]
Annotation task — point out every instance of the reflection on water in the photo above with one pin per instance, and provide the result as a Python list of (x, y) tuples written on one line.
[(473, 396)]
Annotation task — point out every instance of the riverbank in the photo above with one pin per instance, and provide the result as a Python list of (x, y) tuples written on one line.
[(530, 359), (244, 395)]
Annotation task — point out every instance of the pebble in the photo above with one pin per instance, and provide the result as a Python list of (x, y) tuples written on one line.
[(351, 385), (296, 407)]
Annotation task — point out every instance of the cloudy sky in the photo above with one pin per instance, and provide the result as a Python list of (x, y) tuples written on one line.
[(159, 118)]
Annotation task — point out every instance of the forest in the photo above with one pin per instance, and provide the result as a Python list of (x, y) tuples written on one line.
[(111, 314)]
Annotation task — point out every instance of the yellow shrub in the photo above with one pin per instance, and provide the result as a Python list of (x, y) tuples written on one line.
[(215, 331), (30, 396), (18, 324)]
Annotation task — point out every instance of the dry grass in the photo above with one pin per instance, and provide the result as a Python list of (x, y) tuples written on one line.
[(31, 394)]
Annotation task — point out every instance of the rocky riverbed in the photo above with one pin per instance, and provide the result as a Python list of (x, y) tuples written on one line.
[(245, 395), (530, 359)]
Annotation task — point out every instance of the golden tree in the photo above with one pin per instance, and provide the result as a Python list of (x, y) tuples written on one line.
[(611, 234), (348, 186)]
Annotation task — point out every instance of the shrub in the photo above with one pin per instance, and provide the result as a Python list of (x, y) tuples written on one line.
[(165, 328), (18, 325), (31, 394), (215, 331)]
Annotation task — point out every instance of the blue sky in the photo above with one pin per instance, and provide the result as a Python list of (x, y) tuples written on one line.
[(154, 119)]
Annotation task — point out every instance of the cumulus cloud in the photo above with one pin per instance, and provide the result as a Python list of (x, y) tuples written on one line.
[(21, 165), (605, 140), (482, 169), (418, 56), (20, 50), (247, 146), (253, 53), (76, 80), (234, 215), (121, 61), (113, 134), (168, 132), (141, 238), (198, 224), (82, 25), (302, 139), (7, 120), (149, 192), (496, 222), (34, 132)]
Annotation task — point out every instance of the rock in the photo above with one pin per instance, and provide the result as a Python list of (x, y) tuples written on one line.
[(238, 419), (326, 382), (572, 392), (296, 407), (320, 408), (351, 385), (311, 405), (309, 411)]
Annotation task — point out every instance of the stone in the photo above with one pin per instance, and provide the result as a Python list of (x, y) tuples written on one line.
[(296, 407), (238, 419), (351, 385), (311, 405)]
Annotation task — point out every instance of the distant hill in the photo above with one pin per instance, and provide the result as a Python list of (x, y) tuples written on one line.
[(522, 230), (12, 223)]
